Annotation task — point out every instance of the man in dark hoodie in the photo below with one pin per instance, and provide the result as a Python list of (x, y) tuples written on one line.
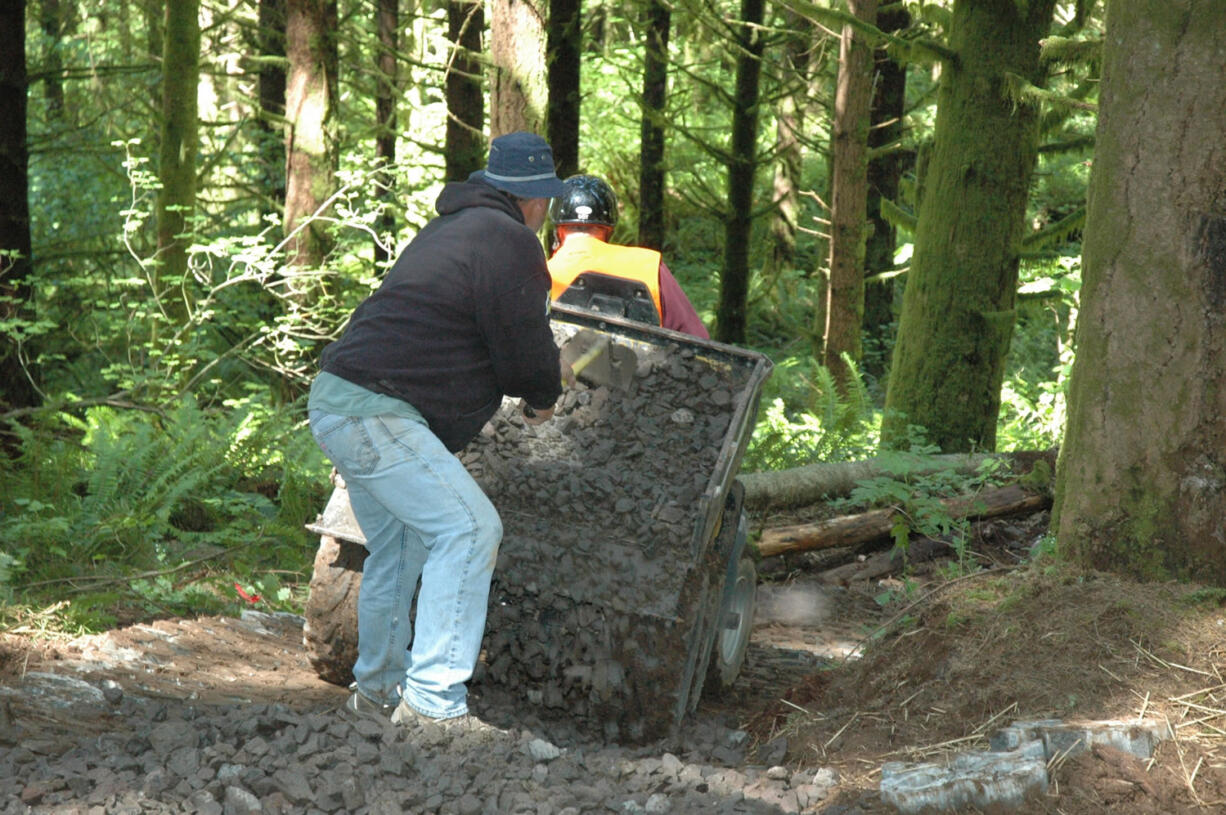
[(461, 320)]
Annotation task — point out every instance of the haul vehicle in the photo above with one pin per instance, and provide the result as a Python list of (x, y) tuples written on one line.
[(623, 586)]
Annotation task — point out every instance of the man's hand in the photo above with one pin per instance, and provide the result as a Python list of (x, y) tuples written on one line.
[(533, 416), (568, 375)]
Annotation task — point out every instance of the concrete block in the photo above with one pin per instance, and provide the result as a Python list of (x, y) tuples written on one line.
[(1019, 733), (971, 779), (1061, 738)]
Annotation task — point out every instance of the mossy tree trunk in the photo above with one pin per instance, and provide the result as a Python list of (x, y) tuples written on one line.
[(958, 307), (15, 264), (1141, 481), (177, 158), (465, 134), (519, 95), (651, 142), (742, 165), (849, 194), (562, 47), (311, 153)]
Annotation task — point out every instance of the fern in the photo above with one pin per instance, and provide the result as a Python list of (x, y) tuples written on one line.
[(916, 494), (132, 473), (834, 424)]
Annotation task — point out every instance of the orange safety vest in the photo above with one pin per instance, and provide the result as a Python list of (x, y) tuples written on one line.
[(585, 253)]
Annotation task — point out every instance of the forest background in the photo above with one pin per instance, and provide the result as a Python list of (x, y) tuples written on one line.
[(195, 195)]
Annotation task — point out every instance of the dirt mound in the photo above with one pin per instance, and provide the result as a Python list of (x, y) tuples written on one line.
[(968, 657)]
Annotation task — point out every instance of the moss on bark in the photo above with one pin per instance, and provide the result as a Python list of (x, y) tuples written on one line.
[(179, 140), (957, 315), (1141, 483)]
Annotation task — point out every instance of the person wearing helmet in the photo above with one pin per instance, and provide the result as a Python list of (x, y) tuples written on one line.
[(589, 271)]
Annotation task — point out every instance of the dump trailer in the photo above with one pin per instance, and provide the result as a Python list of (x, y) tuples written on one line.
[(623, 586)]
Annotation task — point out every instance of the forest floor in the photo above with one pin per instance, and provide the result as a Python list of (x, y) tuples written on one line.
[(932, 666), (911, 670)]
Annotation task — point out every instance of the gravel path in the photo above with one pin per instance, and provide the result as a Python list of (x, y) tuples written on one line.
[(74, 745)]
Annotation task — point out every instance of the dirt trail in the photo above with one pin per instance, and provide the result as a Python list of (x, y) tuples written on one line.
[(260, 659), (959, 658)]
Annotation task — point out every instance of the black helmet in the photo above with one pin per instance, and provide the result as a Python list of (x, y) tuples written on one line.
[(587, 200)]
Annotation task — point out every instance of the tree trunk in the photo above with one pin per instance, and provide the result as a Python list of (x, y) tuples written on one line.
[(958, 307), (743, 162), (311, 158), (884, 174), (789, 125), (518, 93), (387, 86), (465, 151), (651, 134), (1140, 487), (123, 30), (179, 143), (845, 290), (562, 45), (51, 19), (15, 264), (270, 41), (154, 14)]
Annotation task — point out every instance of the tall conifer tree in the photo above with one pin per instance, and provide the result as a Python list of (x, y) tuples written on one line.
[(743, 165), (465, 140), (15, 264), (652, 132), (958, 307), (179, 144), (311, 97)]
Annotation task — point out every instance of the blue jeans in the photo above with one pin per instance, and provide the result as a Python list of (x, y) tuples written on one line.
[(424, 517)]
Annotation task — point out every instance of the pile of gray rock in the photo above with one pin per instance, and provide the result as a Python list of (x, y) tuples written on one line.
[(135, 754)]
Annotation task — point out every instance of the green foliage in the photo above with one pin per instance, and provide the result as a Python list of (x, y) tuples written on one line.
[(1033, 394), (172, 456), (806, 418), (896, 592), (1211, 596), (1044, 554), (131, 503), (916, 496), (1068, 51)]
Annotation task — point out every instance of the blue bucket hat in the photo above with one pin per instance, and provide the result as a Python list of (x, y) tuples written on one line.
[(522, 164)]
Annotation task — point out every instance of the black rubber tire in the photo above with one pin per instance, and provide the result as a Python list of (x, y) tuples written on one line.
[(330, 634), (735, 627)]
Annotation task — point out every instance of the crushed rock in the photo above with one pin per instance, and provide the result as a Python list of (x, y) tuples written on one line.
[(152, 756)]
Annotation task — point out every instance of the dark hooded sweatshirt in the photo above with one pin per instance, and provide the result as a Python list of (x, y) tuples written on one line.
[(461, 319)]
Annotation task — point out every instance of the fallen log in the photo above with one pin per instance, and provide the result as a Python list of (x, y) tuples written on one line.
[(852, 530), (811, 483)]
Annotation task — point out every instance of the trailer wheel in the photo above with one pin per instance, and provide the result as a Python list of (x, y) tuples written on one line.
[(735, 627), (330, 633)]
